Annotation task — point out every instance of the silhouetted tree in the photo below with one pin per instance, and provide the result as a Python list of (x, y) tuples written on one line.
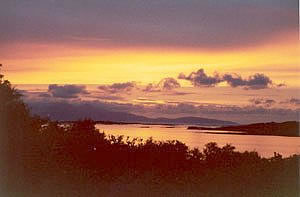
[(34, 150)]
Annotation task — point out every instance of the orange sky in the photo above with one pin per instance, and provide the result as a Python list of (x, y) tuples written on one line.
[(48, 63), (124, 47)]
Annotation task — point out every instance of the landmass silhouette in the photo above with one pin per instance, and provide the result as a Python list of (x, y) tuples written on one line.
[(40, 157), (289, 128)]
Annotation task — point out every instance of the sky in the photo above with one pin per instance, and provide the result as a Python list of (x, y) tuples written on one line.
[(235, 60)]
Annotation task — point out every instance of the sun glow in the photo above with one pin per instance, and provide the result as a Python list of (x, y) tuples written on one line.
[(44, 64)]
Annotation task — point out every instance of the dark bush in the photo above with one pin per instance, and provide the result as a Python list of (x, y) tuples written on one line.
[(45, 158)]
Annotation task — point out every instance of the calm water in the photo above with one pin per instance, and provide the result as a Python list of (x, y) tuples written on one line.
[(264, 145)]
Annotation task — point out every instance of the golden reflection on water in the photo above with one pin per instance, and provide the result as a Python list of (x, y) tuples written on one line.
[(264, 145)]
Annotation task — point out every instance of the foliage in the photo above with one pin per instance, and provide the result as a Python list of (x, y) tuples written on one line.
[(55, 159)]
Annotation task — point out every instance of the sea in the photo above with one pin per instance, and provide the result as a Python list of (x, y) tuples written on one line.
[(264, 145)]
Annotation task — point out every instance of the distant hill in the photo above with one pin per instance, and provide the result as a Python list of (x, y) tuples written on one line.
[(193, 121), (69, 112), (290, 128)]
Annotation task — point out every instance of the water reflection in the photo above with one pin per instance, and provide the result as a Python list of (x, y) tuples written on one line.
[(264, 145)]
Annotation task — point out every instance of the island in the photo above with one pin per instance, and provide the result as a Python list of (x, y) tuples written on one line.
[(289, 128)]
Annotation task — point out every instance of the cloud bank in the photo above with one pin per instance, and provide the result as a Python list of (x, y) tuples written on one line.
[(262, 102), (166, 84), (81, 109), (172, 23), (254, 82), (66, 91), (118, 87), (199, 78), (292, 101)]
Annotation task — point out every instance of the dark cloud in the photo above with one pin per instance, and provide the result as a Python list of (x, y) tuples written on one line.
[(118, 87), (254, 82), (166, 84), (203, 24), (199, 78), (292, 101), (262, 102), (234, 80), (67, 91), (169, 83)]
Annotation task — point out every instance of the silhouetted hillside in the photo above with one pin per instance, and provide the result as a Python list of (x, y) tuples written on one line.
[(70, 112), (290, 128), (40, 157), (194, 121)]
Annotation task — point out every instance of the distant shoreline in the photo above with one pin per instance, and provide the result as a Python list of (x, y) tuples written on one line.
[(286, 129), (124, 123)]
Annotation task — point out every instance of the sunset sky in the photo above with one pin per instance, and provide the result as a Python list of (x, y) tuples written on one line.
[(234, 60)]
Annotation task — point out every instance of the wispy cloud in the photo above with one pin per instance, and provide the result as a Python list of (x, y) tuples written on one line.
[(262, 102), (291, 101), (118, 87), (166, 84)]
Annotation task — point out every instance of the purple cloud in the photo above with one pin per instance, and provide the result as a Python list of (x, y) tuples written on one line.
[(166, 84), (254, 82), (67, 91), (200, 78), (203, 24), (118, 87), (262, 102), (292, 101)]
